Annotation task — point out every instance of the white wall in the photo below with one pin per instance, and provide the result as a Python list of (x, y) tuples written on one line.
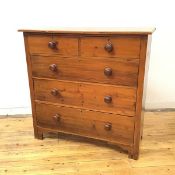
[(14, 91)]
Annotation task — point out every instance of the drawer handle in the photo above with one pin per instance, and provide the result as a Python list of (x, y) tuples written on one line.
[(52, 44), (109, 47), (108, 99), (54, 92), (53, 67), (56, 117), (108, 126), (108, 71)]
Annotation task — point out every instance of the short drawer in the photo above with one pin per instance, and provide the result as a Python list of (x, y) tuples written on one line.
[(113, 99), (103, 70), (121, 46), (104, 126), (52, 44)]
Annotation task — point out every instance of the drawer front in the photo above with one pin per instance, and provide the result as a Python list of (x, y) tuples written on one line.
[(104, 126), (119, 100), (127, 47), (102, 70), (48, 44)]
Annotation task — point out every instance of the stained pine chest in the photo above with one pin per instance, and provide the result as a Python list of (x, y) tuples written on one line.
[(89, 82)]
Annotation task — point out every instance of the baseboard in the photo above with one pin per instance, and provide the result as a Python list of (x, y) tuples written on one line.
[(27, 110), (149, 106), (160, 110), (15, 111)]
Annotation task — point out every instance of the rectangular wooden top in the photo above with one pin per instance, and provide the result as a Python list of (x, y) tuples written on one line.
[(141, 31)]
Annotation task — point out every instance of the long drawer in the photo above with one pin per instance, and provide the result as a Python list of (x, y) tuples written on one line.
[(115, 71), (114, 99), (104, 126)]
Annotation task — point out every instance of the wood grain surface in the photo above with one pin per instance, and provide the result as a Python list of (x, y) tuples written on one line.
[(86, 123), (124, 71), (78, 77), (87, 95), (123, 46), (64, 46), (92, 30), (21, 154)]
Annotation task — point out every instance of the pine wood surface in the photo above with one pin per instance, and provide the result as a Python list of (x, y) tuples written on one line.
[(67, 46), (21, 154), (93, 30), (101, 57), (123, 46), (88, 95), (86, 123), (124, 71)]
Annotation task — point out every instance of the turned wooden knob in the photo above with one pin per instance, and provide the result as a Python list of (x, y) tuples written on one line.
[(54, 92), (109, 47), (56, 117), (108, 71), (53, 67), (108, 99), (108, 126), (52, 44)]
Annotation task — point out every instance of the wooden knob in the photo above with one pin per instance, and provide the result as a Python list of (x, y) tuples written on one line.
[(56, 117), (108, 99), (109, 47), (54, 92), (108, 126), (108, 71), (53, 67), (52, 44)]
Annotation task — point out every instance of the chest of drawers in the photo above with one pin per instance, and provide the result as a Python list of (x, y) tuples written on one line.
[(89, 82)]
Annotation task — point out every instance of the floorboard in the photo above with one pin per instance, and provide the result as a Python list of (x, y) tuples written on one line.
[(64, 154)]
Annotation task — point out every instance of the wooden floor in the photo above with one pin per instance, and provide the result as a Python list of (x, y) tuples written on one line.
[(21, 154)]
